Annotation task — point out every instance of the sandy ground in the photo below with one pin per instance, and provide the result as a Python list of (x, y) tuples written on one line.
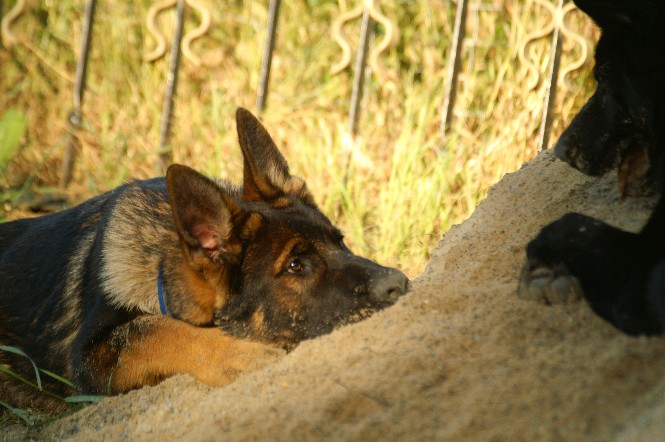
[(459, 358)]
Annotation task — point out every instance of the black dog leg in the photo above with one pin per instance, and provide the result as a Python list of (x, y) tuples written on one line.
[(621, 274)]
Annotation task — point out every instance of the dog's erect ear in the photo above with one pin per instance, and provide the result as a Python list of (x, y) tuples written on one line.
[(204, 214), (266, 174)]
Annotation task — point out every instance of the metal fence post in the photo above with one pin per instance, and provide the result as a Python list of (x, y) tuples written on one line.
[(359, 75), (551, 88), (76, 115), (165, 151), (266, 62), (454, 62), (2, 14)]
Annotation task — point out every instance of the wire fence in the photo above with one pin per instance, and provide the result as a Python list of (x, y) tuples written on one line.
[(367, 60)]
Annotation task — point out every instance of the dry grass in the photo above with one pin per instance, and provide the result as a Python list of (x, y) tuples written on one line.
[(394, 191)]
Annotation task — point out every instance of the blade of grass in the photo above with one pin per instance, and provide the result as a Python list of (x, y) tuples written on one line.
[(57, 378), (19, 352), (21, 413), (84, 399), (19, 377), (12, 128)]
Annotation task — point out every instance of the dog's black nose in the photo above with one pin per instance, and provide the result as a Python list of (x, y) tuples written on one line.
[(390, 286)]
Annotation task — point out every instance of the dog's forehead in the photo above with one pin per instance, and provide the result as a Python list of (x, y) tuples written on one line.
[(302, 220)]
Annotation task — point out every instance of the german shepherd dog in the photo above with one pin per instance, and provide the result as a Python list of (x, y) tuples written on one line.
[(180, 274), (622, 126)]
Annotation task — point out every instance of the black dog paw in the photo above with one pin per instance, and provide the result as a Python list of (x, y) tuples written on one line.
[(548, 284), (620, 274)]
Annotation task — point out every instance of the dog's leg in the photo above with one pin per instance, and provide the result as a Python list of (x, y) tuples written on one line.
[(618, 272), (151, 348)]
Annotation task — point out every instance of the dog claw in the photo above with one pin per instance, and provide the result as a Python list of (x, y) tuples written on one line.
[(548, 285), (565, 289), (535, 289)]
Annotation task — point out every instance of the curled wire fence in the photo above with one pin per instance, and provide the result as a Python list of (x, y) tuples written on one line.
[(368, 53)]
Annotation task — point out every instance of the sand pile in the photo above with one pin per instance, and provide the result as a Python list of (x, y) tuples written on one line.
[(458, 358)]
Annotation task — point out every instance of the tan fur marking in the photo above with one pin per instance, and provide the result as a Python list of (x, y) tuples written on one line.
[(202, 295), (298, 188), (284, 255), (296, 185), (157, 347), (258, 322), (219, 279), (288, 301), (252, 224), (280, 203), (125, 263)]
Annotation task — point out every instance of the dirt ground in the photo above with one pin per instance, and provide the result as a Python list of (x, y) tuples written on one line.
[(459, 358)]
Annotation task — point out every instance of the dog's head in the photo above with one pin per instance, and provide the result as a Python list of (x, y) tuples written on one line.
[(622, 123), (281, 265)]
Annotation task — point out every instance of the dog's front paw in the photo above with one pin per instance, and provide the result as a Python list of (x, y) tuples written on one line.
[(226, 362), (548, 284), (251, 356), (246, 356)]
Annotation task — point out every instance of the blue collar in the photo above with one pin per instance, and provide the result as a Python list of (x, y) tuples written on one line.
[(160, 291)]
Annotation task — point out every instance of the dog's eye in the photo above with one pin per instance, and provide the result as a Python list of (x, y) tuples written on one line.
[(295, 266)]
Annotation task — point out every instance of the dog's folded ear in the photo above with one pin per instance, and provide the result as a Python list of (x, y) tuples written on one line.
[(204, 214), (266, 173)]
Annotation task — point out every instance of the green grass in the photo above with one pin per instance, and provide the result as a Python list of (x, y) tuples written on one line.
[(13, 414), (394, 190)]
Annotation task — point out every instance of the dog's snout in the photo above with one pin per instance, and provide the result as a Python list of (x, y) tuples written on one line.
[(390, 286)]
